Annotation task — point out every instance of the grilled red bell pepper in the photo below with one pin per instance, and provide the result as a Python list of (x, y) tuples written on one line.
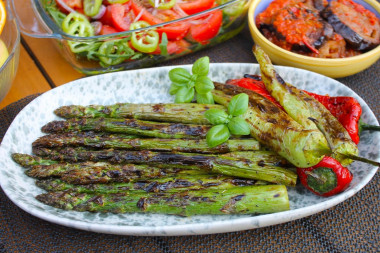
[(325, 179), (255, 85), (346, 109)]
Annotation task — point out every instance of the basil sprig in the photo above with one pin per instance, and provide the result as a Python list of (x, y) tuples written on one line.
[(229, 123), (185, 85)]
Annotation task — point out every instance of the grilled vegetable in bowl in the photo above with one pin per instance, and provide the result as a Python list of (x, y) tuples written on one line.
[(320, 29), (314, 35)]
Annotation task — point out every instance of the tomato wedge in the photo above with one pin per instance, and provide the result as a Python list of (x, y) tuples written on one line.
[(106, 29), (118, 16), (206, 27), (175, 31), (144, 14), (195, 6), (75, 4), (175, 47)]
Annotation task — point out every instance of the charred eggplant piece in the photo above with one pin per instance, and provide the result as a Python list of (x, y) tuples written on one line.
[(360, 29)]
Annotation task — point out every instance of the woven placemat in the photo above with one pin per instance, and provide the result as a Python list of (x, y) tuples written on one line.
[(352, 226)]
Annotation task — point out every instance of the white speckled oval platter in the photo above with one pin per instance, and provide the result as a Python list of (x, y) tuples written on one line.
[(151, 86)]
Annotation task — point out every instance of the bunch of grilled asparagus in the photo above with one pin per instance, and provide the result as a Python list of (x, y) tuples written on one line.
[(154, 158)]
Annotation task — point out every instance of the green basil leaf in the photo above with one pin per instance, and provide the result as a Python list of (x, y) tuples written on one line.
[(217, 135), (174, 88), (238, 104), (203, 84), (238, 126), (216, 116), (184, 95), (205, 98), (179, 75), (201, 66)]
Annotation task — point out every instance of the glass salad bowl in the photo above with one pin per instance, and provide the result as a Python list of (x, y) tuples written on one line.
[(112, 35), (9, 54)]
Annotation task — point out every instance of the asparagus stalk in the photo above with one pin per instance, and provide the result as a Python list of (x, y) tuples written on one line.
[(166, 184), (125, 173), (180, 145), (129, 126), (180, 113), (237, 200), (28, 161), (274, 128), (90, 173), (264, 167)]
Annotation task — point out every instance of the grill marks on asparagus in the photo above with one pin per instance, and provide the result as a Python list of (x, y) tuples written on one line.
[(265, 166), (90, 173), (239, 200), (156, 144), (129, 126), (179, 113), (28, 161), (167, 184), (84, 164)]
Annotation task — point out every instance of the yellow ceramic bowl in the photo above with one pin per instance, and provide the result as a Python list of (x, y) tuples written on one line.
[(330, 67)]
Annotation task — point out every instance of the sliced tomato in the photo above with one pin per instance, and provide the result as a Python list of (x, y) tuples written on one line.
[(144, 14), (73, 4), (175, 31), (195, 6), (207, 27), (106, 29), (175, 47), (118, 16)]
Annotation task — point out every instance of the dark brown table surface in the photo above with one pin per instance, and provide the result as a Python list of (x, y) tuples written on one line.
[(351, 226)]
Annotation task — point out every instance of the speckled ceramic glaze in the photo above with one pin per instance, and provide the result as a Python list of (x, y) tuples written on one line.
[(150, 86)]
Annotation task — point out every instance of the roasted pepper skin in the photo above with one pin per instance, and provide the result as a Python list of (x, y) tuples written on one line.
[(256, 86), (276, 129), (342, 174), (306, 110), (346, 109)]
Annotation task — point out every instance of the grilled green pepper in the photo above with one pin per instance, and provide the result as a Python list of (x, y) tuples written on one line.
[(274, 128), (306, 110)]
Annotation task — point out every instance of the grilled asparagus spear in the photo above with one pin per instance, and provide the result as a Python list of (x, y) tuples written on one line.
[(274, 128), (266, 165), (166, 184), (129, 126), (180, 113), (237, 200), (28, 161), (90, 173), (301, 107), (113, 141)]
